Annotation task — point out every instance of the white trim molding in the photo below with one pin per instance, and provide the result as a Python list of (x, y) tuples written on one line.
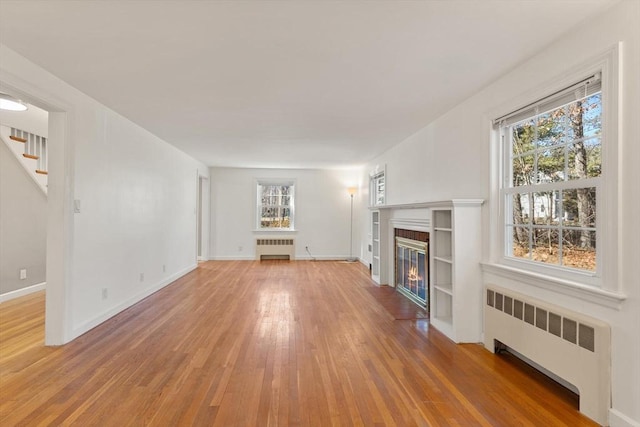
[(618, 419), (584, 292), (411, 224), (22, 292)]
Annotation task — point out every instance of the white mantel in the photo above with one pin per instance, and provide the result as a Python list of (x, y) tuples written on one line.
[(414, 224)]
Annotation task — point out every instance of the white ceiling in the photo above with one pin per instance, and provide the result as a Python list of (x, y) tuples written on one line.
[(300, 84)]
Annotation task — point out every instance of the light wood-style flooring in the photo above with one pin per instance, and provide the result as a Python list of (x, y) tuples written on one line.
[(244, 343)]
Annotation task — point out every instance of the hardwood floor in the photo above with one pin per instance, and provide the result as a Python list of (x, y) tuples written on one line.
[(244, 343)]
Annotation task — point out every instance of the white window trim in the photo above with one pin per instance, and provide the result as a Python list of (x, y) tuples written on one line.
[(258, 204), (602, 288)]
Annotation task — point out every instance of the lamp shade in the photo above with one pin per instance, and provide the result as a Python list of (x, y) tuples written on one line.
[(352, 190)]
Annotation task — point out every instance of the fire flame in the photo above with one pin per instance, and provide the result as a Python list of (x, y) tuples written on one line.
[(413, 275)]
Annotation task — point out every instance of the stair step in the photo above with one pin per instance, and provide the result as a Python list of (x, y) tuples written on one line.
[(41, 172), (17, 138), (31, 156)]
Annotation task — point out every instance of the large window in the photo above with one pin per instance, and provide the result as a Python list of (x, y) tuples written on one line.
[(275, 205), (551, 181)]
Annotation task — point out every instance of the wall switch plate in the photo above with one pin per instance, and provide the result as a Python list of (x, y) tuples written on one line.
[(142, 277), (105, 293), (164, 268), (23, 273), (76, 206)]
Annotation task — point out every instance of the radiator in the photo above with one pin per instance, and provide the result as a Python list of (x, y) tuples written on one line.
[(275, 248), (575, 347)]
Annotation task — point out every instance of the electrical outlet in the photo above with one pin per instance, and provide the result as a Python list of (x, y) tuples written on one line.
[(105, 293), (142, 277), (306, 248), (23, 273)]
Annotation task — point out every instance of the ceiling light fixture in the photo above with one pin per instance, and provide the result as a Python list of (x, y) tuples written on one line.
[(8, 102)]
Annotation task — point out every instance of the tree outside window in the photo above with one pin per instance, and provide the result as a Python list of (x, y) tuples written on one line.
[(554, 160), (275, 205)]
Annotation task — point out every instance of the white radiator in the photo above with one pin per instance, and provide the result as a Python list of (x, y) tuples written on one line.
[(275, 248), (574, 347)]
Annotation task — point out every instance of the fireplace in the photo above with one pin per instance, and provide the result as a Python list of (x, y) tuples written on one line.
[(412, 265)]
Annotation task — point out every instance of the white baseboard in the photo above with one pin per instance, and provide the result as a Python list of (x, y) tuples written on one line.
[(618, 419), (22, 292), (298, 258), (128, 303)]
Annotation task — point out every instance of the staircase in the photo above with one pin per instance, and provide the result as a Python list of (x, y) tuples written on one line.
[(31, 151)]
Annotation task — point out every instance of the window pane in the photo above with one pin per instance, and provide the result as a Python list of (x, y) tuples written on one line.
[(267, 190), (585, 159), (546, 208), (523, 170), (523, 138), (550, 131), (579, 207), (545, 245), (579, 249), (592, 115), (551, 165), (267, 217), (520, 242), (594, 156), (521, 208)]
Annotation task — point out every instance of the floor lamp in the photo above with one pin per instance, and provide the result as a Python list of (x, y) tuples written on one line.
[(351, 191)]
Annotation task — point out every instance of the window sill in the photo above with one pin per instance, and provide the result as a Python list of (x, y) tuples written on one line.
[(584, 292)]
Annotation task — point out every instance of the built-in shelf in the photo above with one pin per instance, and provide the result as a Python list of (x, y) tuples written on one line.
[(455, 247), (379, 245), (445, 287), (456, 294)]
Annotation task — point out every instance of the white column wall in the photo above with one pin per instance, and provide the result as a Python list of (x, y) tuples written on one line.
[(137, 199)]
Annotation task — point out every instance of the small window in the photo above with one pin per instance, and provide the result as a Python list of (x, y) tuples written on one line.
[(551, 183), (377, 188), (275, 205)]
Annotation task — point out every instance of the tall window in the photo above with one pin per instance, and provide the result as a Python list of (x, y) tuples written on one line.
[(551, 181), (377, 188), (275, 205)]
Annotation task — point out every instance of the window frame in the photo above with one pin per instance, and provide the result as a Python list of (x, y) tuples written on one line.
[(508, 190), (375, 176), (258, 203), (601, 287)]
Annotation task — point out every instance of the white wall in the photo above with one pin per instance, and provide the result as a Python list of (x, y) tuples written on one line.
[(23, 226), (450, 158), (137, 196), (322, 211)]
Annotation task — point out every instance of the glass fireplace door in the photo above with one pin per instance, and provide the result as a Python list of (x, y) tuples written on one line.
[(412, 269)]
